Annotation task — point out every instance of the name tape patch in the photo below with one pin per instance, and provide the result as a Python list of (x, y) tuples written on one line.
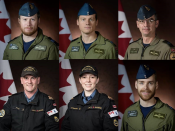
[(132, 113), (40, 47), (13, 47), (52, 112), (75, 48), (113, 113), (134, 50)]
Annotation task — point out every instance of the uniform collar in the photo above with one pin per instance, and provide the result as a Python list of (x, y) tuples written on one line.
[(154, 41), (38, 38), (93, 100), (86, 99), (100, 39), (32, 98), (34, 102), (158, 104)]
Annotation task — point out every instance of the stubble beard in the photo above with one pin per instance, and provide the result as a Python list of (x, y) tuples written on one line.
[(149, 97)]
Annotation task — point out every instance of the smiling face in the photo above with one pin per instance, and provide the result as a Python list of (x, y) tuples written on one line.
[(30, 83), (87, 23), (29, 25), (88, 82), (146, 87), (148, 26)]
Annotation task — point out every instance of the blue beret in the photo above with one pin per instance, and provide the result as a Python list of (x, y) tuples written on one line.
[(145, 72), (145, 12), (28, 9), (87, 9)]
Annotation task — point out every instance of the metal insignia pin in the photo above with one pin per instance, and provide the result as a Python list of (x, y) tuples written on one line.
[(87, 13)]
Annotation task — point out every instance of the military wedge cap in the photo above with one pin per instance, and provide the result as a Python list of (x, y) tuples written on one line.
[(86, 9), (30, 70), (145, 12), (89, 69), (28, 9), (145, 72)]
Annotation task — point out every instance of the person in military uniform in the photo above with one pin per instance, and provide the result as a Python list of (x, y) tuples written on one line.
[(91, 44), (149, 113), (149, 47), (90, 110), (30, 110), (31, 44)]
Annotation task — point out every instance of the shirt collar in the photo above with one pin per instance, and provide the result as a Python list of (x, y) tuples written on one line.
[(32, 98), (89, 97)]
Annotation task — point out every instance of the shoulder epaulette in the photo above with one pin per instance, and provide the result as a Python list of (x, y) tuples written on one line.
[(50, 98), (134, 41), (170, 107), (53, 41), (74, 40), (110, 42), (13, 39), (15, 94), (168, 43), (132, 104), (75, 96)]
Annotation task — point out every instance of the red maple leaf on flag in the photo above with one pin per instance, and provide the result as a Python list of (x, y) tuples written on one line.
[(63, 75), (5, 30), (123, 97), (4, 86)]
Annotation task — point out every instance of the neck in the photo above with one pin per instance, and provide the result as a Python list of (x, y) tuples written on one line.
[(30, 38), (148, 103), (88, 93), (89, 38), (30, 94), (148, 40)]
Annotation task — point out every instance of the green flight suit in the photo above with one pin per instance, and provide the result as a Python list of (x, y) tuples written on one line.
[(41, 49), (160, 118), (158, 49), (102, 48)]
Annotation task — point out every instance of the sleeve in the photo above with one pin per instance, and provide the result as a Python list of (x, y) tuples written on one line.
[(53, 53), (67, 53), (110, 122), (5, 117), (66, 123), (170, 54), (123, 125), (51, 116), (112, 53), (172, 125)]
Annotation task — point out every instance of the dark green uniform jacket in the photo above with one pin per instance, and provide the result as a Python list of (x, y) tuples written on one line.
[(92, 116), (19, 115), (102, 48), (41, 49), (160, 118), (158, 49)]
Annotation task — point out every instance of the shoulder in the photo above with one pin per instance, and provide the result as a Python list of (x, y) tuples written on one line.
[(16, 95), (131, 107), (74, 40), (136, 41), (50, 41), (110, 42), (46, 97), (14, 40), (169, 108), (106, 97), (53, 41), (167, 43), (75, 97)]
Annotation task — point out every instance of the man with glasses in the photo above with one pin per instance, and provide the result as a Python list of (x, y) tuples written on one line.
[(149, 47)]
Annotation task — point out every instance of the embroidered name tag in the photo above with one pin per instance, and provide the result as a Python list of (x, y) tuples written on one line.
[(73, 108), (40, 47), (75, 48), (153, 52), (18, 108), (132, 113), (99, 51), (95, 107), (13, 47), (134, 50), (38, 110), (159, 115)]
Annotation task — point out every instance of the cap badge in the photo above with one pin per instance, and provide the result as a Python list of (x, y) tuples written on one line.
[(145, 76), (146, 67), (87, 13), (88, 68), (31, 6), (148, 9)]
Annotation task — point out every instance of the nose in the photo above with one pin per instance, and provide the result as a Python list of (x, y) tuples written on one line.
[(88, 79), (29, 22), (29, 80), (146, 86), (87, 22), (146, 23)]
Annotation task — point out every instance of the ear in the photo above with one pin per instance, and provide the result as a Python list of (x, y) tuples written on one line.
[(21, 78), (80, 80), (157, 85), (19, 21), (157, 23), (38, 80), (77, 22), (137, 23), (136, 84), (97, 22)]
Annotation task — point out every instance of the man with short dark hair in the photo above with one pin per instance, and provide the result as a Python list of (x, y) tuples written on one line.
[(149, 47), (31, 44), (149, 113), (91, 44), (30, 110)]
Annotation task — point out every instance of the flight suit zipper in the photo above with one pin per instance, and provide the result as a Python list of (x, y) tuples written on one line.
[(143, 50), (146, 118), (88, 50), (126, 126)]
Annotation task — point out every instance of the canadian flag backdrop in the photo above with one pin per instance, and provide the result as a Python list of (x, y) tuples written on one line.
[(67, 86), (125, 94), (5, 28), (124, 35), (7, 85)]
